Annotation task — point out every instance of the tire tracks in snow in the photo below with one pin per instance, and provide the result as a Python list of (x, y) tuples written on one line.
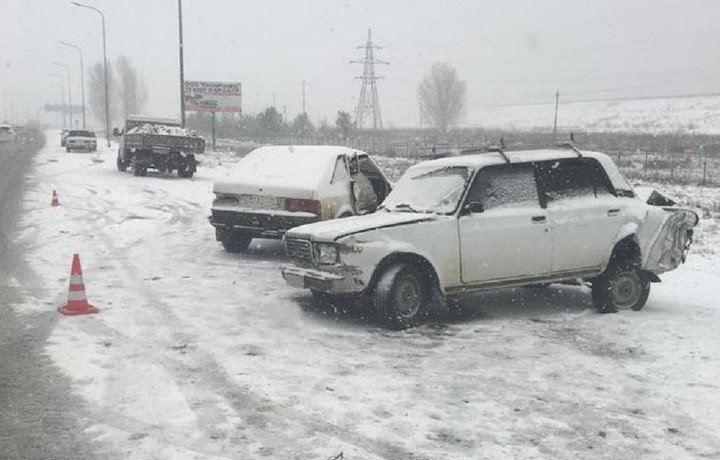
[(271, 423)]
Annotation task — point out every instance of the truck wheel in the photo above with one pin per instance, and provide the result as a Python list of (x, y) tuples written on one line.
[(401, 300), (121, 166), (236, 242), (139, 170), (186, 170), (622, 286)]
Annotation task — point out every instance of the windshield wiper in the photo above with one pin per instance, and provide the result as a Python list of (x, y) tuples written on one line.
[(407, 206)]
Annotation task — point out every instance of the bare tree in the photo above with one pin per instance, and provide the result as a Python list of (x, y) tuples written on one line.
[(344, 124), (441, 96), (96, 92), (131, 88)]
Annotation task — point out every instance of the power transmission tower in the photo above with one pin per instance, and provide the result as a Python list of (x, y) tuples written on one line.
[(369, 103)]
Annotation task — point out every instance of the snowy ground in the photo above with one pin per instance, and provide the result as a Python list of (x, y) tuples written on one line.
[(672, 115), (200, 354)]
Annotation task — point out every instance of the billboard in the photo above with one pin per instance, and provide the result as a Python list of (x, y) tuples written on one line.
[(211, 96)]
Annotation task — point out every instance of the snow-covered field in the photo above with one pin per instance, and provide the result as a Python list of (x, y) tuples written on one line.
[(201, 354), (687, 114)]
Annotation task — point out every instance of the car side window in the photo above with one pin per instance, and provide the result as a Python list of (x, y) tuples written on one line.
[(564, 179), (340, 174), (511, 186)]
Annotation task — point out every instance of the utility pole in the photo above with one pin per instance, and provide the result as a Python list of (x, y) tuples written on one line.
[(369, 102), (557, 100), (82, 78), (303, 94), (284, 114), (182, 66)]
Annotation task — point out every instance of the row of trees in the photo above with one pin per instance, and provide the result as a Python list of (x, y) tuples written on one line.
[(269, 124), (441, 95), (126, 87)]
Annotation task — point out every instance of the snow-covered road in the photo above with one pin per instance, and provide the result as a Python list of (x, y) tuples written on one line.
[(197, 353)]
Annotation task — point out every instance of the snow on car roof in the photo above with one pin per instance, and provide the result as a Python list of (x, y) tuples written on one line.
[(289, 165), (481, 160)]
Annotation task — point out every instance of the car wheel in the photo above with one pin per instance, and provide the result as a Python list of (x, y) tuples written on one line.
[(121, 166), (236, 242), (401, 300), (68, 149), (623, 286)]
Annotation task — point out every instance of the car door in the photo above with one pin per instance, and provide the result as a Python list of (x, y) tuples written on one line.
[(585, 216), (503, 230)]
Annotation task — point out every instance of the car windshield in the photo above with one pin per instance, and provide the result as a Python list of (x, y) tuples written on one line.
[(80, 133), (429, 190)]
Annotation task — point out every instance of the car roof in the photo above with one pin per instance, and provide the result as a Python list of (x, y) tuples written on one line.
[(481, 160), (330, 151)]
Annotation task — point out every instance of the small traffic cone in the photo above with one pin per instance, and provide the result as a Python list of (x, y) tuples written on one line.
[(55, 200), (77, 303)]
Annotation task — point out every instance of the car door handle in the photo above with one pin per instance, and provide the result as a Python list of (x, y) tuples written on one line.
[(613, 212), (538, 219)]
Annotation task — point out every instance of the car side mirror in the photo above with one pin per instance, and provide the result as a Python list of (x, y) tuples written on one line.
[(116, 132), (473, 207)]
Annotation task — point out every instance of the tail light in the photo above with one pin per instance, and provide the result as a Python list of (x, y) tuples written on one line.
[(301, 205)]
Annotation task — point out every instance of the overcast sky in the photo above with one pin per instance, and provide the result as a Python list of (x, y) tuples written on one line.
[(507, 51)]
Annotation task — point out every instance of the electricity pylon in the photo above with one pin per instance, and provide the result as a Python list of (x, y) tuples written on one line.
[(368, 105)]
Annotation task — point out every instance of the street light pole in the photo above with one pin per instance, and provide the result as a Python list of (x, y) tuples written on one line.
[(62, 96), (107, 103), (82, 77), (70, 110), (182, 67)]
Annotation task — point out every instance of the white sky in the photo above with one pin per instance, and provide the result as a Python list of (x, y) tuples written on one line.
[(508, 51)]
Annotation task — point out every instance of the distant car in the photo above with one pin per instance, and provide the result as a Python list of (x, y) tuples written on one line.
[(80, 139), (466, 223), (63, 137), (276, 188), (7, 133)]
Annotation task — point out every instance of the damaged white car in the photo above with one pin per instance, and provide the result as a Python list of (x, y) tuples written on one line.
[(496, 219)]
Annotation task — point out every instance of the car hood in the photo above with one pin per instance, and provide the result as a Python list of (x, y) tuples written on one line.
[(331, 230)]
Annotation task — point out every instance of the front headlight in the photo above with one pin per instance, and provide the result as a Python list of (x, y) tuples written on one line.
[(326, 253)]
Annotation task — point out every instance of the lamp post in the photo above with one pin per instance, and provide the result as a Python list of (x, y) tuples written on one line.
[(107, 103), (82, 77), (70, 109), (62, 95), (182, 65)]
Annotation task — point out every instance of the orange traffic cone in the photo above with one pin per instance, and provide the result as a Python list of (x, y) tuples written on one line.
[(77, 303), (55, 200)]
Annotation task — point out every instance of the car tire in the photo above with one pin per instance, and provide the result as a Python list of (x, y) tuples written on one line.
[(236, 242), (121, 165), (68, 149), (623, 286), (401, 300)]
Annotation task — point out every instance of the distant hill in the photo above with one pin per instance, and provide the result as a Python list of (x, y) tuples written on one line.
[(682, 114)]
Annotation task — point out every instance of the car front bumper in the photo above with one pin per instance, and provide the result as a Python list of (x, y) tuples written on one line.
[(317, 280)]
